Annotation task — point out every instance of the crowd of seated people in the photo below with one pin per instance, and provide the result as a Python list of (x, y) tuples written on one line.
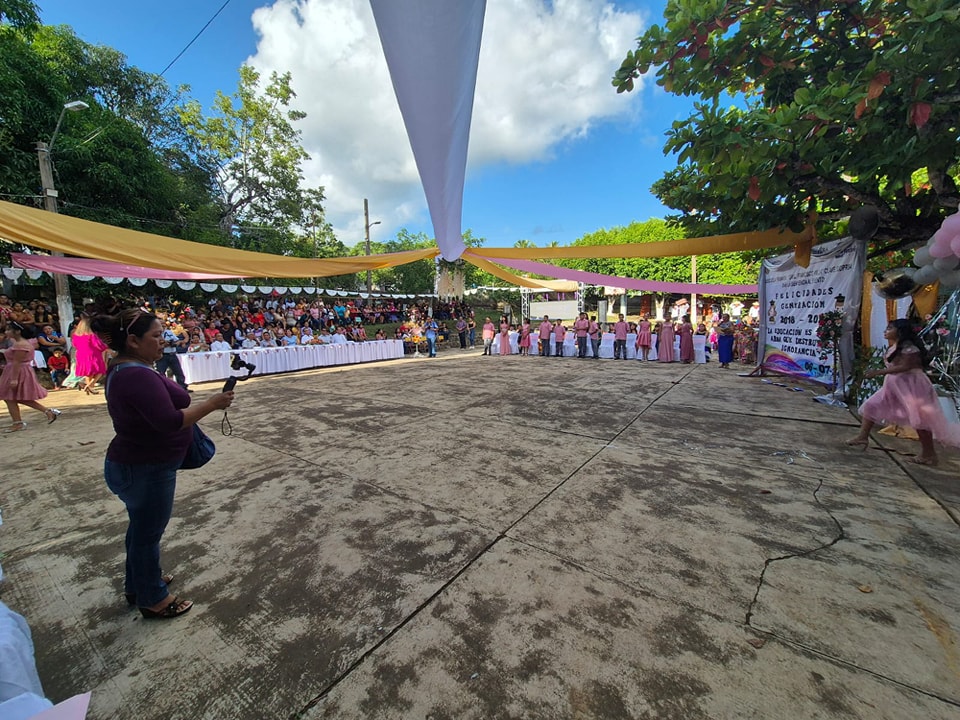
[(240, 323)]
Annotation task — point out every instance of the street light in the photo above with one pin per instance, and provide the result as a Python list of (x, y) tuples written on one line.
[(366, 229), (60, 282)]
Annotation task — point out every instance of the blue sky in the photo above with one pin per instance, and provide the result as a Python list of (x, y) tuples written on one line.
[(577, 157)]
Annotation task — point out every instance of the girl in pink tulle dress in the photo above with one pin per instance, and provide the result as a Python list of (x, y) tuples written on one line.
[(90, 363), (644, 338), (524, 344), (18, 382), (907, 396)]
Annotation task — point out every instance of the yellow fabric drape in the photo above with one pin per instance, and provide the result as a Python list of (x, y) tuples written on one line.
[(925, 299), (866, 309), (735, 242), (510, 277), (83, 238)]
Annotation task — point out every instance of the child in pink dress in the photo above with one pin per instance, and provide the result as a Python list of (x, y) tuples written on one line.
[(524, 344), (18, 382), (644, 339), (907, 396), (504, 336)]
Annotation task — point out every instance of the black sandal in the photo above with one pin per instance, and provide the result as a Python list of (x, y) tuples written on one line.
[(175, 609), (132, 597)]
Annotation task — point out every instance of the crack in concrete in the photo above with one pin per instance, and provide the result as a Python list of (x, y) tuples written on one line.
[(790, 556)]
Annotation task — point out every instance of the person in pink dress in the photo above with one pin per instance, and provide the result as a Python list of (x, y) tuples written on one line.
[(665, 351), (686, 340), (620, 330), (559, 335), (18, 382), (907, 396), (504, 336), (644, 338), (524, 343), (90, 364), (489, 330)]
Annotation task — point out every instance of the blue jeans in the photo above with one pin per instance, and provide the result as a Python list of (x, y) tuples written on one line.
[(147, 491), (432, 344), (171, 361)]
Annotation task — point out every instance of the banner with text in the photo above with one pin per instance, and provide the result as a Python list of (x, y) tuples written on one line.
[(791, 301)]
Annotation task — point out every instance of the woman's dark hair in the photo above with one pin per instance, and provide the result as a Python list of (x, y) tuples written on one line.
[(26, 332), (906, 334), (115, 329)]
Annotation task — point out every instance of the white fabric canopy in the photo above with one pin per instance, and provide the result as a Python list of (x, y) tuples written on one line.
[(432, 49)]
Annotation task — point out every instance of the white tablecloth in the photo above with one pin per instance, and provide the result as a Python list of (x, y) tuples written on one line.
[(700, 348), (208, 366)]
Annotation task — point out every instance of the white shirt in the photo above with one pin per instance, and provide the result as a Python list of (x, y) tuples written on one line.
[(248, 344), (219, 346), (338, 339)]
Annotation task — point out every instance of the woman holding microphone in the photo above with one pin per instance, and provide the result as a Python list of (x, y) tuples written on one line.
[(153, 420)]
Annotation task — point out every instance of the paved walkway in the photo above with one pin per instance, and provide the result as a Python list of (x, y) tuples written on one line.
[(474, 537)]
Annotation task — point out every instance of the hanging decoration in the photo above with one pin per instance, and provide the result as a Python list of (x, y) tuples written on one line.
[(941, 335), (432, 50)]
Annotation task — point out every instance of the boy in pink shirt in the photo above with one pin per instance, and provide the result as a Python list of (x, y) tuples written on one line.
[(546, 327), (620, 329), (559, 333), (582, 327), (594, 332), (488, 332)]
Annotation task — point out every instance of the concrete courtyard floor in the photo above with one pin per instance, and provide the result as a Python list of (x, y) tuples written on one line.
[(472, 537)]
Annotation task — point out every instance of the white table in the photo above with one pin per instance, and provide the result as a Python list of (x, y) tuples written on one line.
[(209, 366)]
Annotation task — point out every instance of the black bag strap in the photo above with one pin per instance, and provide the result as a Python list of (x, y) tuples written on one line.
[(114, 369)]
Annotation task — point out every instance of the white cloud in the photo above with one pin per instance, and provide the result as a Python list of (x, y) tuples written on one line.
[(544, 78)]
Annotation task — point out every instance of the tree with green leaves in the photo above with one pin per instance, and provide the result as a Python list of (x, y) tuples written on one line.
[(252, 149), (23, 14), (839, 104), (415, 277), (108, 163)]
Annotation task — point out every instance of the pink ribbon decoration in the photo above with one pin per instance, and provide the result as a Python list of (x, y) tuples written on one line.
[(537, 268), (101, 268)]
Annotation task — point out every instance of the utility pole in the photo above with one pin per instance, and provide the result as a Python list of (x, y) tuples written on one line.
[(366, 229), (61, 283), (693, 296)]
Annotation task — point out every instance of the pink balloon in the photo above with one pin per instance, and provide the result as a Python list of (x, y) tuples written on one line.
[(941, 245), (955, 244), (951, 224)]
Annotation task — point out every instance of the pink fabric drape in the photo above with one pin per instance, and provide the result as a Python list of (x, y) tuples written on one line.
[(537, 268), (103, 268)]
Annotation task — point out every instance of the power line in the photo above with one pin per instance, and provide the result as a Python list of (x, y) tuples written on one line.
[(186, 47), (199, 33)]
